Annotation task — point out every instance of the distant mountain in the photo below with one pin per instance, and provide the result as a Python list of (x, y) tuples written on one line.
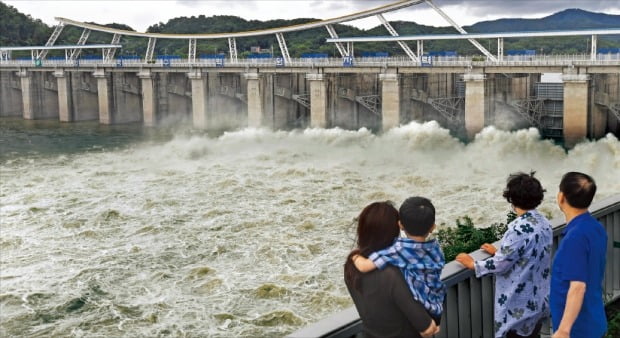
[(568, 19), (19, 29)]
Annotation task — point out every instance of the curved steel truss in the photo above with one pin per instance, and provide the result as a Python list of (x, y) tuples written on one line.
[(321, 23), (278, 32)]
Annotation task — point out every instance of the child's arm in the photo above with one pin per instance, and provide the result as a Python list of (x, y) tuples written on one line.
[(363, 264)]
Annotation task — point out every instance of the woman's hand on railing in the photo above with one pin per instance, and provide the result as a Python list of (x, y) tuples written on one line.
[(466, 260), (489, 248)]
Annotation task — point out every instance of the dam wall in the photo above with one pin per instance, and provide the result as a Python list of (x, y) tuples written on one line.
[(463, 99)]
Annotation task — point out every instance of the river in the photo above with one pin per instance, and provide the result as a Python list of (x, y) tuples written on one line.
[(126, 231)]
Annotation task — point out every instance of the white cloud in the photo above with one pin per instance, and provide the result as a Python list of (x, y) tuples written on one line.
[(142, 14)]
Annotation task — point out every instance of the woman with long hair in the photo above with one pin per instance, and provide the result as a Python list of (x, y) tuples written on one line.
[(382, 297)]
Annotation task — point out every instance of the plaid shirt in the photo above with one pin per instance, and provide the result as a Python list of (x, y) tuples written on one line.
[(421, 264)]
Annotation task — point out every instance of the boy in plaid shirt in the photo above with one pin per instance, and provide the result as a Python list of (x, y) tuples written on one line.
[(420, 260)]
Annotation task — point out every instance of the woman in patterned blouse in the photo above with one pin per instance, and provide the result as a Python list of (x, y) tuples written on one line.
[(522, 264)]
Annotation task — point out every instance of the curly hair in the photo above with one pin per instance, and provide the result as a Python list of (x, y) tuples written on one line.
[(523, 190)]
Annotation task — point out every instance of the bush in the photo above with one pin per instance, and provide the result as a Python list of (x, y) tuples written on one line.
[(613, 319), (467, 238)]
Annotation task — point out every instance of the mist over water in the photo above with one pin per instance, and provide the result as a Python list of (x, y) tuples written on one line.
[(133, 233)]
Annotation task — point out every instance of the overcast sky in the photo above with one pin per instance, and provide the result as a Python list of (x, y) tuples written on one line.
[(141, 14)]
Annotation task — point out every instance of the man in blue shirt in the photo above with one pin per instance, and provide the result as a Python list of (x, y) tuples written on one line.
[(577, 308)]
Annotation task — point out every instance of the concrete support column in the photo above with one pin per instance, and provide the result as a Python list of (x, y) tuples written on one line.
[(149, 117), (255, 102), (64, 96), (104, 97), (575, 117), (27, 103), (474, 104), (599, 121), (318, 101), (390, 100), (199, 99)]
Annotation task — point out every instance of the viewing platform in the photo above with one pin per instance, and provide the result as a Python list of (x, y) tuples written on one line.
[(469, 300)]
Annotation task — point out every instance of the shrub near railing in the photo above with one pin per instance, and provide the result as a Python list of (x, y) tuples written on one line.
[(465, 237)]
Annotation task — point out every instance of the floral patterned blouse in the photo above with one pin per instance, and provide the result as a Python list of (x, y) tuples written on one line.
[(521, 266)]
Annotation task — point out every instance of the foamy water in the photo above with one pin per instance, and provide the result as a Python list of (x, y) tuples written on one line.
[(240, 235)]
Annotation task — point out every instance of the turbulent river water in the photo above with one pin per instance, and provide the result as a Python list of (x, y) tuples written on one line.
[(125, 231)]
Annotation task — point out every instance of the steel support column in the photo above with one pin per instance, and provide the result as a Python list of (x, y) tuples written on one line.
[(500, 49), (339, 46), (232, 48), (50, 42), (420, 47), (75, 53), (402, 44), (350, 50), (462, 31), (191, 55), (283, 48), (108, 53), (150, 50), (593, 48)]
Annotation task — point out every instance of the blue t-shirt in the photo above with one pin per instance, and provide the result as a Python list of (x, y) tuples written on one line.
[(581, 257)]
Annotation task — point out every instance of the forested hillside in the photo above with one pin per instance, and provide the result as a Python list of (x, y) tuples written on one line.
[(19, 30)]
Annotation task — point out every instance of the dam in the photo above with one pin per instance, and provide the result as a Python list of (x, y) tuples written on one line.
[(376, 94), (350, 91)]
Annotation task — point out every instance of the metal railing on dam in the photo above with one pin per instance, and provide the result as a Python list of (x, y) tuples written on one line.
[(469, 302), (381, 62)]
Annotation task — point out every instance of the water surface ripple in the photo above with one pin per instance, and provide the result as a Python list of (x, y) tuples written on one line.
[(238, 235)]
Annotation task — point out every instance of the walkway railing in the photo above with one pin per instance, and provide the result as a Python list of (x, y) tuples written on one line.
[(395, 61), (469, 310)]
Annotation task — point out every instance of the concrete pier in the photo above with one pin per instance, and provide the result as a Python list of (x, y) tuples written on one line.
[(149, 106), (255, 101), (318, 101), (104, 97), (390, 100), (11, 96), (39, 95), (463, 99), (474, 103), (84, 96), (126, 105), (65, 110), (199, 99), (575, 108), (27, 98)]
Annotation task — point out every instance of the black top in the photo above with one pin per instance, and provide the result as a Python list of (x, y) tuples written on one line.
[(386, 306)]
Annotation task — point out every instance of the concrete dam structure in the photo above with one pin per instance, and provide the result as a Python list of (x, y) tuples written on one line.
[(464, 100), (464, 94)]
